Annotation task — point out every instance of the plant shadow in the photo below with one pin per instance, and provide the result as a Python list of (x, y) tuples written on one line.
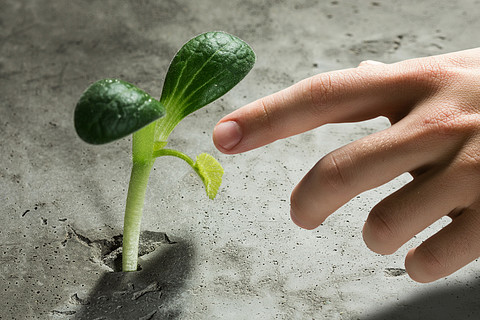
[(459, 301), (150, 293)]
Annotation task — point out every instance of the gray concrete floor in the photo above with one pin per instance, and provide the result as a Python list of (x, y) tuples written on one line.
[(239, 256)]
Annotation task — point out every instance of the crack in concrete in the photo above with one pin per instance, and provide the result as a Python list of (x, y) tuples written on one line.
[(75, 299), (62, 313), (153, 287), (148, 316), (395, 272)]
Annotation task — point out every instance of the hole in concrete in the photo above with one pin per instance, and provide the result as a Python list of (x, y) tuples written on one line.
[(109, 251)]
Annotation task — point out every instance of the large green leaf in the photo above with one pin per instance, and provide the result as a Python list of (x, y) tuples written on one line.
[(111, 109), (204, 69)]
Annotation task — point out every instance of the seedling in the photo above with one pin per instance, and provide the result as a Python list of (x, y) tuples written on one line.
[(204, 69)]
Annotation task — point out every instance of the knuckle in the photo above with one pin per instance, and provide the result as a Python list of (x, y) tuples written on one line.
[(450, 122), (471, 159), (434, 71), (319, 89), (468, 161), (266, 106), (333, 169)]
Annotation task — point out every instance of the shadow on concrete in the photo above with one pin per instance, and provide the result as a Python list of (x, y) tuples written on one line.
[(151, 293), (461, 301)]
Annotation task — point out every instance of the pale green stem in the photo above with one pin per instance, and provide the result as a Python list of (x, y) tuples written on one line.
[(142, 147), (174, 153), (133, 214), (143, 160)]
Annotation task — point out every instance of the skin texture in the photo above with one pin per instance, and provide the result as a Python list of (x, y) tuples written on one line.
[(433, 104)]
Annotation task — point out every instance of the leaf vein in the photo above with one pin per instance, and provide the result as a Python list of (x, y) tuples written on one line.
[(205, 84), (201, 68), (178, 81)]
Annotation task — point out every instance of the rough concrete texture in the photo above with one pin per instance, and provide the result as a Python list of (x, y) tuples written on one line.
[(239, 256)]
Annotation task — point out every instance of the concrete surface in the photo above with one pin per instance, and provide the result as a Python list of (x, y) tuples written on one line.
[(238, 257)]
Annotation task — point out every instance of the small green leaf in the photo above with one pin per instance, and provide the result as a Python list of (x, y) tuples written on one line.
[(206, 166), (111, 109), (211, 172), (204, 69)]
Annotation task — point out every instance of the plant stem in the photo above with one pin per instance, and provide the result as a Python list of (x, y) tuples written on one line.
[(174, 153), (133, 214), (142, 146), (143, 160)]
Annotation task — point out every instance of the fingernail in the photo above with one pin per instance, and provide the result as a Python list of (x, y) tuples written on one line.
[(227, 134), (370, 63)]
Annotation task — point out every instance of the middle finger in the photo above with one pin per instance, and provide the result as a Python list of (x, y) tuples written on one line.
[(362, 165)]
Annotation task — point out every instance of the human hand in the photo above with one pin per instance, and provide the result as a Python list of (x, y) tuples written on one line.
[(433, 104)]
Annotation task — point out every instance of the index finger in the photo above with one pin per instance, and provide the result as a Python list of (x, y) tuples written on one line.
[(340, 96)]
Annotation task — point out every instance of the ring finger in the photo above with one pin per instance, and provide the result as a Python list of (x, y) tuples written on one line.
[(405, 213)]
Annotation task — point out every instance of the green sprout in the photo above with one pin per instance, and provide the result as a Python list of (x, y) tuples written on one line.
[(204, 69)]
